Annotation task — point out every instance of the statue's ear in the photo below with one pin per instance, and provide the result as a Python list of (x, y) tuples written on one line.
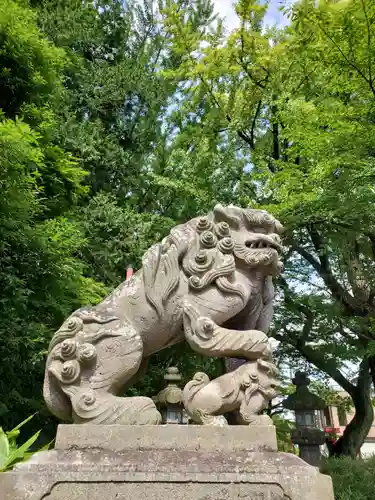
[(228, 215)]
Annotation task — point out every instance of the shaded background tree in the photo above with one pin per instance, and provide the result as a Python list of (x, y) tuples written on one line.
[(297, 103), (41, 277), (120, 121)]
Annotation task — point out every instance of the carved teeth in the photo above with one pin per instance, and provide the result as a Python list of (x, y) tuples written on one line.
[(263, 244)]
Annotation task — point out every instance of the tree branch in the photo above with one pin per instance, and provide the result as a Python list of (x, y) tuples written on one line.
[(252, 133), (325, 271), (368, 42), (258, 83), (306, 351), (323, 268), (348, 61), (318, 360), (306, 311)]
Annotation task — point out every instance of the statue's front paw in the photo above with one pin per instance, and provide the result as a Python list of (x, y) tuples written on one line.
[(217, 421)]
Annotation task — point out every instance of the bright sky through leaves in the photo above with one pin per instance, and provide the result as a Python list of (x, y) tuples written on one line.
[(273, 17)]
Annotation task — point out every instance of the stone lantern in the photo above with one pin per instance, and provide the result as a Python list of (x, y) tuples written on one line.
[(307, 435), (169, 400)]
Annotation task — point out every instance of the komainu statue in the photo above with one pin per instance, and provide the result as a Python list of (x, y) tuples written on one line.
[(246, 391), (209, 282)]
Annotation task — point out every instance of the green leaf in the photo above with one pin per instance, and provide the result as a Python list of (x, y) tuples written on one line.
[(4, 448), (16, 429), (19, 453)]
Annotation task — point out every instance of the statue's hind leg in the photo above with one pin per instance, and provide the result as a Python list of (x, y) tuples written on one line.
[(93, 367)]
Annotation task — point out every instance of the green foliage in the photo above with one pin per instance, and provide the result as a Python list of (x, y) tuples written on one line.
[(352, 479), (30, 66), (331, 396), (111, 114), (10, 452), (121, 119), (86, 118), (284, 429), (41, 277), (296, 105), (117, 237)]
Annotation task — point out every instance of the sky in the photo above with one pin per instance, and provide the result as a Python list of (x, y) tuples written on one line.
[(273, 16)]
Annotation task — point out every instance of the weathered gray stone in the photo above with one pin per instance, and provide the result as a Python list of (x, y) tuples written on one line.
[(140, 472), (120, 438), (246, 390), (209, 272)]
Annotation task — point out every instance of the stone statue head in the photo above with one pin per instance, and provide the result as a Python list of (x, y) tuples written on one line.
[(254, 234)]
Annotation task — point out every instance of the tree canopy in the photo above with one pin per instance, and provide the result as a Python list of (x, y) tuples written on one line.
[(119, 121)]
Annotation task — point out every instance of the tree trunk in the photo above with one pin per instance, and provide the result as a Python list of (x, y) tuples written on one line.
[(349, 444), (372, 370), (356, 431)]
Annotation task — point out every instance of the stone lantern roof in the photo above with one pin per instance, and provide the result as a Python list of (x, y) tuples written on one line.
[(172, 394), (302, 399)]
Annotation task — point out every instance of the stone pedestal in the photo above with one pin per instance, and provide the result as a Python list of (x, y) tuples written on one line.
[(165, 462)]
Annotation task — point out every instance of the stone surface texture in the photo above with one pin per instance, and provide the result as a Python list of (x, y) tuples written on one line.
[(188, 438), (209, 282), (247, 390), (150, 462)]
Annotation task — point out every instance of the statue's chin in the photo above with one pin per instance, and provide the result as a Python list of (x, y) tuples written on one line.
[(276, 269)]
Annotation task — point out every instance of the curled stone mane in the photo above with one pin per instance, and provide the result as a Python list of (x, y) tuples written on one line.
[(161, 267), (204, 249), (74, 325)]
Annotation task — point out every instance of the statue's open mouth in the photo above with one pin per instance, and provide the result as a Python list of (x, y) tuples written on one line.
[(261, 250), (264, 241)]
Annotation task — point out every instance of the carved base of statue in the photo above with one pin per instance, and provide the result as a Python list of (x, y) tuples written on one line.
[(119, 462)]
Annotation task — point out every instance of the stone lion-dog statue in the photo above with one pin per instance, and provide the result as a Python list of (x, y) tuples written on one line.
[(209, 282), (245, 391)]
